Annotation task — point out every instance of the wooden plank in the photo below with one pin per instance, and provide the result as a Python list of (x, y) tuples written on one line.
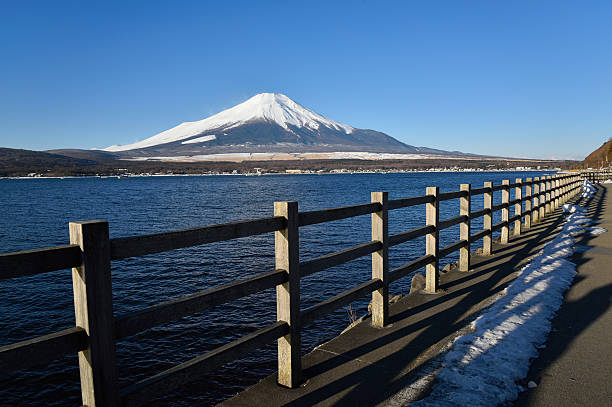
[(479, 235), (325, 307), (453, 247), (412, 201), (518, 206), (445, 196), (93, 307), (172, 310), (380, 260), (332, 214), (480, 213), (528, 202), (403, 237), (503, 205), (162, 383), (42, 350), (505, 213), (542, 207), (340, 257), (447, 223), (514, 218), (535, 211), (287, 257), (487, 242), (465, 207), (499, 225), (497, 187), (134, 246), (38, 261), (432, 241), (480, 191), (410, 267)]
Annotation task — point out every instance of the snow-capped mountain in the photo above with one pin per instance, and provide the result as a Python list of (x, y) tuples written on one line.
[(265, 123)]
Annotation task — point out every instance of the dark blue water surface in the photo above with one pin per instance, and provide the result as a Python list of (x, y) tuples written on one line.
[(36, 212)]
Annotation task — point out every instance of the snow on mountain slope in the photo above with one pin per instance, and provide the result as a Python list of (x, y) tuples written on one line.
[(270, 107)]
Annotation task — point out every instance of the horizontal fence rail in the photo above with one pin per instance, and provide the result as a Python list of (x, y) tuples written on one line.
[(91, 252), (38, 261), (163, 242)]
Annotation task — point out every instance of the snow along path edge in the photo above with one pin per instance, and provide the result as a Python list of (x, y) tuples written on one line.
[(483, 368)]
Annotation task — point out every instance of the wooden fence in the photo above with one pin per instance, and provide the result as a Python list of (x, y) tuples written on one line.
[(597, 175), (91, 252)]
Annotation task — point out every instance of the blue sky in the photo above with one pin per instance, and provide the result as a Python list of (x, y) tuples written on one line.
[(524, 79)]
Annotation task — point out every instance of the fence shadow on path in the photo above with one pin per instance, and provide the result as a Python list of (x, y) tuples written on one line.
[(367, 365)]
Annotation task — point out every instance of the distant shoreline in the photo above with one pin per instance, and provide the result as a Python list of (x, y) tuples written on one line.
[(347, 172)]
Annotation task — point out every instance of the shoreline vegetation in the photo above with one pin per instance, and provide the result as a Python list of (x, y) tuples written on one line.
[(25, 163), (287, 172)]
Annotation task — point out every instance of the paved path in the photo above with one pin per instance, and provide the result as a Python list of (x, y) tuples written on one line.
[(366, 365), (575, 369)]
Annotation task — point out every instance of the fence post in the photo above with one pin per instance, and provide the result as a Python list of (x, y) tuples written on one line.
[(93, 307), (536, 200), (547, 208), (528, 193), (553, 193), (465, 204), (505, 212), (518, 207), (557, 192), (287, 246), (542, 198), (432, 241), (562, 183), (380, 260), (487, 220)]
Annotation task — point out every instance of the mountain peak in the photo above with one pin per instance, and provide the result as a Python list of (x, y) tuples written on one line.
[(269, 107)]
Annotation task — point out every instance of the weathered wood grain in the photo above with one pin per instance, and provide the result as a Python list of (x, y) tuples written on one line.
[(465, 207), (139, 393), (480, 213), (445, 196), (453, 247), (408, 268), (447, 223), (380, 260), (134, 246), (38, 261), (42, 350), (340, 257), (287, 257), (412, 201), (323, 308), (403, 237), (93, 306), (478, 235), (432, 241), (172, 310), (332, 214)]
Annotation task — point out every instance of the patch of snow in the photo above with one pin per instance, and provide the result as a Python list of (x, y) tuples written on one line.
[(608, 181), (596, 230), (200, 139), (331, 155), (271, 107), (483, 367), (588, 189)]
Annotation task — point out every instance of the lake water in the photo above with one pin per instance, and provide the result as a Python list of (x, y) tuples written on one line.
[(36, 212)]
